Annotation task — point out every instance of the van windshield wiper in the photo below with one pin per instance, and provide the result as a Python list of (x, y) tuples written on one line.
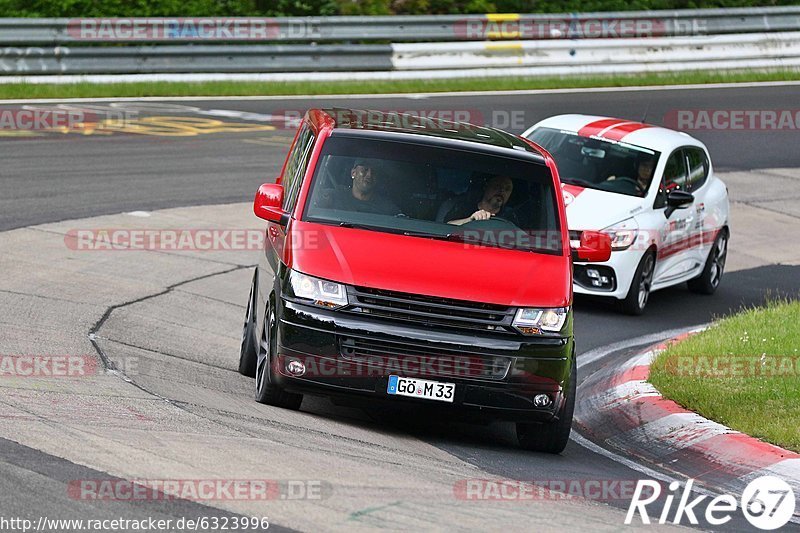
[(455, 237), (357, 226)]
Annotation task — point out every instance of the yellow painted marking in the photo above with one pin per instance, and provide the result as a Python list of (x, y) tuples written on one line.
[(182, 126), (19, 133), (502, 26), (498, 47), (502, 17)]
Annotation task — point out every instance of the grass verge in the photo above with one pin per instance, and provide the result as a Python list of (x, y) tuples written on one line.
[(234, 88), (743, 372)]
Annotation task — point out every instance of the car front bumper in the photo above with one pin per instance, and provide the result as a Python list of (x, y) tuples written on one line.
[(495, 376), (621, 267)]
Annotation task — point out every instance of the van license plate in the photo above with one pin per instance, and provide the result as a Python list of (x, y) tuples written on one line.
[(421, 388)]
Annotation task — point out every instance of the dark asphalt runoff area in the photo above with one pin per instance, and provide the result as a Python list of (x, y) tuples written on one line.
[(68, 176), (60, 177)]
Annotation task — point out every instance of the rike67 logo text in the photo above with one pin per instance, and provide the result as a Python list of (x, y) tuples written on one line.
[(767, 502)]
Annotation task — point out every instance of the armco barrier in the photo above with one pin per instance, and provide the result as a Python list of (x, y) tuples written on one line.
[(196, 58), (464, 46), (26, 32), (743, 48)]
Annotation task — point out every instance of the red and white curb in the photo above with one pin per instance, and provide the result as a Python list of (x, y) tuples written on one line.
[(619, 410)]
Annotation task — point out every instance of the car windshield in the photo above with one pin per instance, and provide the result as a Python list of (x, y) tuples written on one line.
[(599, 164), (428, 191)]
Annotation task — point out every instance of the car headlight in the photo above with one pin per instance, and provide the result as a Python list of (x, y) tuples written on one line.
[(623, 234), (321, 292), (532, 321)]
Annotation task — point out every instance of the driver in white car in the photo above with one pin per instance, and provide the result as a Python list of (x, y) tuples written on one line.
[(644, 171), (496, 193)]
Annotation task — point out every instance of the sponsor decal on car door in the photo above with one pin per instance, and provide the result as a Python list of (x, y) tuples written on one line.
[(678, 235)]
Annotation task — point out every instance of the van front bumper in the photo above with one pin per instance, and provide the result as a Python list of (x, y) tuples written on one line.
[(350, 357)]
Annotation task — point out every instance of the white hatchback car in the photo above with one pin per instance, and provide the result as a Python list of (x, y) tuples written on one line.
[(653, 190)]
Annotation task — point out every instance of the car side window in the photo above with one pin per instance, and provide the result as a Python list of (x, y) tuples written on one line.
[(698, 168), (296, 167), (675, 177)]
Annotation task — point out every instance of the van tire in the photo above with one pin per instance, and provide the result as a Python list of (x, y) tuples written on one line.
[(267, 391), (552, 436)]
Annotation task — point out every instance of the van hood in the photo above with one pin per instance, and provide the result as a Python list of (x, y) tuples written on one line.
[(431, 267), (590, 209)]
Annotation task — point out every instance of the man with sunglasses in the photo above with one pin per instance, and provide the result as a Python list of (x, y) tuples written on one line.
[(364, 195)]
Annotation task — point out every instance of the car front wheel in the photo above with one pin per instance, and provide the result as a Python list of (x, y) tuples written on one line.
[(266, 391), (247, 351), (639, 292), (551, 437)]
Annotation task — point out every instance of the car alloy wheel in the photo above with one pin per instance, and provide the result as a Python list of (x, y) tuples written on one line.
[(646, 280), (720, 254)]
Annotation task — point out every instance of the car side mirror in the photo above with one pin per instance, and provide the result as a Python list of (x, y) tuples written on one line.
[(595, 247), (678, 200), (268, 204)]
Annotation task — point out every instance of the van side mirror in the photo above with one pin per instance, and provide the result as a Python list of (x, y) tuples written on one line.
[(678, 200), (268, 204), (595, 247)]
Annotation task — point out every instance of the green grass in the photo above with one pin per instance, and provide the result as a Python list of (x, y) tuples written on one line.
[(233, 88), (743, 372)]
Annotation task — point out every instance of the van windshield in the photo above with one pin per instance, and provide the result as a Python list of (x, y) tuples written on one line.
[(436, 192)]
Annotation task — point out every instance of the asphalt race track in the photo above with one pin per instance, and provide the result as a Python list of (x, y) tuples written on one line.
[(99, 174), (175, 154)]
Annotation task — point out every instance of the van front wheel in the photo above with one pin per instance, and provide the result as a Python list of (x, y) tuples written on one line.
[(551, 437)]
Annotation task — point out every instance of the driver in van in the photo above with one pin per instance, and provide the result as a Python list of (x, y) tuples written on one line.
[(496, 193)]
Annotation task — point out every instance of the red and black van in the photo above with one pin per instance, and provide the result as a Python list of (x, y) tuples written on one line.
[(414, 260)]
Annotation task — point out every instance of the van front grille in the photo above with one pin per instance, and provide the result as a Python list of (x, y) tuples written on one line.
[(431, 311)]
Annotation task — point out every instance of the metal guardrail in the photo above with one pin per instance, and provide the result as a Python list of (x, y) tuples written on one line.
[(706, 49), (195, 58), (52, 32), (481, 44)]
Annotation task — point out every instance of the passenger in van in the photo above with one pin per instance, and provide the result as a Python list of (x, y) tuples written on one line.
[(496, 193), (363, 195)]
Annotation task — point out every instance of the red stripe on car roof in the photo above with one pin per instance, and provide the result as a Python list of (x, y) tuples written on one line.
[(618, 132), (593, 128)]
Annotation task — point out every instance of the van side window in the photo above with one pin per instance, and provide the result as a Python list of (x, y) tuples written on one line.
[(675, 177), (296, 167), (698, 168)]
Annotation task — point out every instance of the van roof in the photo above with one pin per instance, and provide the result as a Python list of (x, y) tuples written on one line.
[(383, 121)]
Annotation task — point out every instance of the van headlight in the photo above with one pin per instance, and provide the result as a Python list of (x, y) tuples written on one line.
[(533, 321), (320, 292), (623, 234)]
